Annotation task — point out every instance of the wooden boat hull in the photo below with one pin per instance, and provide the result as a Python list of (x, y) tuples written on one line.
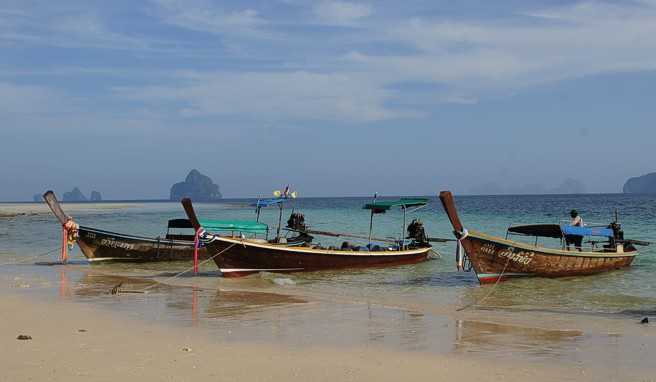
[(98, 245), (493, 258), (240, 258)]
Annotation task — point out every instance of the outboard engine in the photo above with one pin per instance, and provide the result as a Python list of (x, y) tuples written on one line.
[(417, 232), (618, 234), (296, 221)]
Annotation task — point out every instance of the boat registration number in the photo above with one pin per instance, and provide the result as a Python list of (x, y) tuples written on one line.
[(510, 253), (116, 244)]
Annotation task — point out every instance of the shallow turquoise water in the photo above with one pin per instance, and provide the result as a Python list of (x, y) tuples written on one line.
[(435, 282)]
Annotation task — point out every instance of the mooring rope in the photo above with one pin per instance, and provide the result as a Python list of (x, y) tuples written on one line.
[(31, 258), (144, 290), (460, 249), (434, 252), (475, 303)]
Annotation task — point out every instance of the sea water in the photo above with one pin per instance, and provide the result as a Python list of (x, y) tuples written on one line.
[(432, 282), (422, 307)]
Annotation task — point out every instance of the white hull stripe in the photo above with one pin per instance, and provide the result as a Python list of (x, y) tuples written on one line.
[(304, 250), (495, 275), (228, 270), (91, 260)]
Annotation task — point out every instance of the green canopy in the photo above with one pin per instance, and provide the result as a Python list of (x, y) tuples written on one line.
[(234, 225), (384, 205)]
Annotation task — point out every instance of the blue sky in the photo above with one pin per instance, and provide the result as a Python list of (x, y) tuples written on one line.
[(334, 97)]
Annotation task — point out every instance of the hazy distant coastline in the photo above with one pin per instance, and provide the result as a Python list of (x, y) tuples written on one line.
[(253, 198)]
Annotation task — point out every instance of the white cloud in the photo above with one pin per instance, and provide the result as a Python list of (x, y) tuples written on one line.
[(71, 30), (206, 17), (31, 100), (341, 12), (88, 30), (559, 43), (468, 59), (274, 96)]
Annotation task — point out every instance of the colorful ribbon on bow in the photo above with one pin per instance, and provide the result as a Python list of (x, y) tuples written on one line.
[(69, 237)]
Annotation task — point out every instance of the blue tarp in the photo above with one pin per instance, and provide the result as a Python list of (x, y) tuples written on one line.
[(269, 202), (586, 231)]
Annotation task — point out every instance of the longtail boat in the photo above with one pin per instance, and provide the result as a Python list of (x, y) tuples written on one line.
[(497, 259), (99, 245), (238, 255)]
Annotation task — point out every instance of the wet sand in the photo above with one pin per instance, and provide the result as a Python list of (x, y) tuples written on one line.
[(75, 342), (80, 331)]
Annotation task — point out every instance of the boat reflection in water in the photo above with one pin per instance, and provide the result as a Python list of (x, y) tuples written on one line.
[(232, 304), (266, 316), (179, 302), (502, 339)]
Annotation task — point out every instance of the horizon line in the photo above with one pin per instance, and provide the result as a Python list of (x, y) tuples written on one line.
[(316, 197)]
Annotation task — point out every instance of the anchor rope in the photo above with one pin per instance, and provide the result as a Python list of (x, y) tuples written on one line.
[(31, 258), (460, 249), (476, 303), (177, 275)]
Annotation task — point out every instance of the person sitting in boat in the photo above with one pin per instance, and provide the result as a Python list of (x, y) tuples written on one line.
[(577, 240)]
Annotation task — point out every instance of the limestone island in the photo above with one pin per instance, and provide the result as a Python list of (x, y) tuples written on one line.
[(645, 184), (198, 187), (76, 195)]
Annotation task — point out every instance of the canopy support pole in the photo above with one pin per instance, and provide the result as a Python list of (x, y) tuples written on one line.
[(279, 223), (403, 229), (371, 220)]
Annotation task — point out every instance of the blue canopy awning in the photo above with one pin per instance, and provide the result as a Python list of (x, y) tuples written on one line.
[(586, 231), (269, 202)]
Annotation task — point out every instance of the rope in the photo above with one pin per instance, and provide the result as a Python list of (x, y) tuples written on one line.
[(196, 244), (460, 250), (475, 303), (29, 259), (177, 274), (434, 252)]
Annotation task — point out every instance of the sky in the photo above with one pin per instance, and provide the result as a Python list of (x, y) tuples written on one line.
[(336, 98)]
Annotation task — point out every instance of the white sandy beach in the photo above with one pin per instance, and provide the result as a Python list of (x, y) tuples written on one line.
[(73, 342)]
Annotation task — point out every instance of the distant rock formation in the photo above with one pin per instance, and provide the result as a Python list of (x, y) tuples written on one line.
[(74, 196), (196, 186), (95, 196), (645, 184)]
